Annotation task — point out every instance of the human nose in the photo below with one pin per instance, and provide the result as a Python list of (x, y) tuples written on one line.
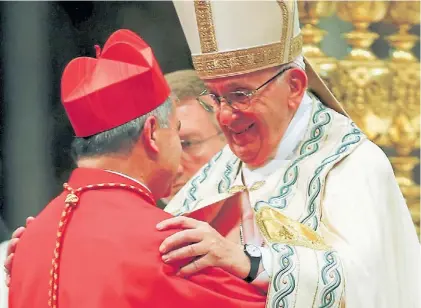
[(226, 114)]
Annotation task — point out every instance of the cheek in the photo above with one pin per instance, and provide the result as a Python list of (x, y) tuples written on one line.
[(188, 173), (188, 169), (260, 118), (218, 118), (192, 164), (273, 116)]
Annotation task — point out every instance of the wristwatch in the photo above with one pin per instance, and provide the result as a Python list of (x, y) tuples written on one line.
[(255, 255)]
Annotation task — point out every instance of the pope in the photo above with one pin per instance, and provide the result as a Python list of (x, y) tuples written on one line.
[(301, 188)]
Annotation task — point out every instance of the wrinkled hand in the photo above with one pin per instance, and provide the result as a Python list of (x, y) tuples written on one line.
[(208, 248), (11, 248)]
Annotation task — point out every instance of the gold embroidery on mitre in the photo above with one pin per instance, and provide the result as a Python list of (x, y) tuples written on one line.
[(295, 48), (205, 26), (278, 228), (285, 20), (224, 64)]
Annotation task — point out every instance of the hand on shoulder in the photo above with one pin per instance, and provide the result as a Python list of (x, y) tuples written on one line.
[(11, 249)]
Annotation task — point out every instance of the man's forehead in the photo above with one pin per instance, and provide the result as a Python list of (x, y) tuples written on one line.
[(189, 103), (190, 110), (222, 85), (194, 119)]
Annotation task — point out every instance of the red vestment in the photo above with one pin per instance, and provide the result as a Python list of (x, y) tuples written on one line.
[(110, 257)]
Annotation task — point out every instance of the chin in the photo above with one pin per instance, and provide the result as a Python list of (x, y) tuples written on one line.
[(166, 194), (245, 155), (254, 159)]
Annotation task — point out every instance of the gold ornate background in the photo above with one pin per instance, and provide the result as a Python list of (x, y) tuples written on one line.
[(381, 95)]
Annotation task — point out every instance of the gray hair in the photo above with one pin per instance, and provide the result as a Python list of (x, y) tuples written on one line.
[(298, 62), (121, 139), (187, 84)]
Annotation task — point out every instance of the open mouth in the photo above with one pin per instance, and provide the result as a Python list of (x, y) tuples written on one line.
[(244, 130)]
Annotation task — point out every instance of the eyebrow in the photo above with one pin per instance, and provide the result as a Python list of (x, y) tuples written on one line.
[(190, 136), (235, 85), (231, 86)]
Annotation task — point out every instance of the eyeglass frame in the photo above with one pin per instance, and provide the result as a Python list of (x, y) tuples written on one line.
[(197, 142), (248, 94)]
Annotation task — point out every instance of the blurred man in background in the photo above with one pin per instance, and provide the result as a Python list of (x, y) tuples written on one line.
[(201, 137)]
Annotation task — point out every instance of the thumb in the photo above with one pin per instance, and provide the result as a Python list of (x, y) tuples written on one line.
[(29, 220)]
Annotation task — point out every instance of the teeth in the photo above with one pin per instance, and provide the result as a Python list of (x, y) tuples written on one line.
[(243, 131)]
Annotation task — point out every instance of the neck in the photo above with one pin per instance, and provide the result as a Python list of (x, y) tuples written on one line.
[(293, 133), (118, 164)]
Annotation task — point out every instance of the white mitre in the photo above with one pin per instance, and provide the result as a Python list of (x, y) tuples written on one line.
[(228, 38)]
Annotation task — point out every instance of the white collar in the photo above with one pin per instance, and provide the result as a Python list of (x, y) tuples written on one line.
[(130, 178), (289, 142)]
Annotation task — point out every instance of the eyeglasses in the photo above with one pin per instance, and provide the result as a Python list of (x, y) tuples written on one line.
[(237, 100), (188, 145)]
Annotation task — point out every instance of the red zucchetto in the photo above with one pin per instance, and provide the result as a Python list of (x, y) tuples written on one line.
[(123, 83)]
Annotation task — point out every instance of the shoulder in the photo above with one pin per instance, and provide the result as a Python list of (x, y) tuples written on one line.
[(365, 173), (366, 159)]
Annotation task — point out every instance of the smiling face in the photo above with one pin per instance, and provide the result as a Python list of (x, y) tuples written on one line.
[(254, 134)]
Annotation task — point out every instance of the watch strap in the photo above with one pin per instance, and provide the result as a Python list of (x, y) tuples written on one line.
[(254, 266)]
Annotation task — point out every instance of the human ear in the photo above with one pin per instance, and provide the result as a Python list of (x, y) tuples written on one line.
[(297, 81), (150, 134)]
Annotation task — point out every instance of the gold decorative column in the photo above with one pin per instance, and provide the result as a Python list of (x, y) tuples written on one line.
[(364, 82), (310, 13), (405, 131)]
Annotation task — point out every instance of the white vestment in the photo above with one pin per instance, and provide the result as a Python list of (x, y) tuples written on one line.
[(338, 228)]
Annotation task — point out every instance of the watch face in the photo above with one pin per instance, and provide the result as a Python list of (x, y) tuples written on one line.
[(253, 251)]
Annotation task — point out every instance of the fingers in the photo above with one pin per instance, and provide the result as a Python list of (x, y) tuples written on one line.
[(189, 251), (29, 220), (18, 232), (9, 262), (11, 246), (179, 239), (178, 222), (8, 267), (194, 267), (179, 245), (11, 249)]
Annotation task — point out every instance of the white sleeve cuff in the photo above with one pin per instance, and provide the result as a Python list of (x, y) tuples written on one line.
[(262, 280), (267, 260)]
